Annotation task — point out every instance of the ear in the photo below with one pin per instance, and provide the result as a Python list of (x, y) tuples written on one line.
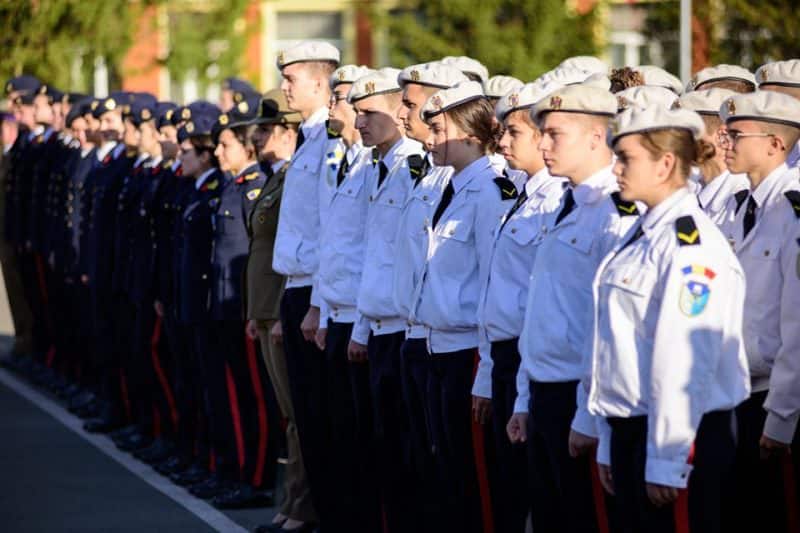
[(776, 145), (666, 165)]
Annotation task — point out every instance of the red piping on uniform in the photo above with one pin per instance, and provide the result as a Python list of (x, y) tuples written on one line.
[(162, 377), (681, 509), (261, 406), (480, 467), (790, 492), (599, 498), (236, 416)]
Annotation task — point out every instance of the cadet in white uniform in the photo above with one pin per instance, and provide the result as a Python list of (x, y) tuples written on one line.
[(668, 364), (764, 232), (550, 409), (729, 77), (306, 69), (505, 291), (782, 77), (447, 295)]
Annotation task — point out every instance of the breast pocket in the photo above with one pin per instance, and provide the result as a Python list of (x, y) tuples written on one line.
[(351, 188), (577, 241), (522, 232), (633, 279)]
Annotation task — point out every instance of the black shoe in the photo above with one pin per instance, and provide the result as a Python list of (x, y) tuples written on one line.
[(172, 464), (156, 452), (124, 432), (135, 442), (81, 400), (213, 486), (243, 497), (193, 475), (101, 425)]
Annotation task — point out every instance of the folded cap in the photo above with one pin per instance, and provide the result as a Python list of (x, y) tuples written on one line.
[(564, 75), (245, 109), (588, 64), (275, 110), (785, 73), (497, 86), (188, 111), (645, 96), (659, 77), (525, 97), (308, 51), (348, 74), (577, 99), (446, 99), (201, 123), (599, 80), (114, 101), (763, 106), (720, 73), (53, 95), (236, 85), (383, 81), (640, 120), (26, 82), (78, 109), (141, 111), (24, 98), (164, 111), (467, 65), (73, 98), (433, 74), (705, 101)]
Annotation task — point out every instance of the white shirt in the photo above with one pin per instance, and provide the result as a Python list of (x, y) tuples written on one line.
[(668, 334), (411, 243), (447, 294), (793, 159), (505, 290), (375, 296), (714, 196), (335, 150), (558, 313), (105, 149), (296, 252), (770, 256)]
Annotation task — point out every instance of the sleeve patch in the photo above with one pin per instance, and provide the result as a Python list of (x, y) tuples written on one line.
[(686, 231), (508, 191)]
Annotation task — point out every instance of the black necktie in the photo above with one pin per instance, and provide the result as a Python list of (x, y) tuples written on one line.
[(569, 205), (344, 166), (426, 167), (749, 215), (636, 234), (520, 200), (383, 170), (447, 197), (301, 138)]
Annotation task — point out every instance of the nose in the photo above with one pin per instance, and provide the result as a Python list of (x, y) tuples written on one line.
[(544, 143), (505, 140), (402, 112), (617, 168)]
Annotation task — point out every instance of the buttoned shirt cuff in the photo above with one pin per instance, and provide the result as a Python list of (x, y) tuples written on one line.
[(521, 403), (780, 429), (316, 300), (360, 331), (583, 422), (324, 314), (482, 387), (669, 473)]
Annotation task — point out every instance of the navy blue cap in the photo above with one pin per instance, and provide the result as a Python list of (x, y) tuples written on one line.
[(188, 111), (53, 94), (201, 123), (78, 109), (25, 98), (164, 111), (141, 110), (237, 85), (117, 100), (73, 98), (245, 112), (26, 82)]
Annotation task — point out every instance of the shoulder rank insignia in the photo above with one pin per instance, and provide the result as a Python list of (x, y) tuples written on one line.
[(741, 196), (686, 231), (253, 194), (210, 186), (376, 156), (332, 132), (624, 208), (794, 199), (416, 166), (251, 176), (508, 191)]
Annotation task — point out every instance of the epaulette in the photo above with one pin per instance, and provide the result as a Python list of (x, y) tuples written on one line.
[(686, 231), (741, 196), (794, 199), (624, 208), (376, 156), (211, 186), (332, 133), (416, 166), (508, 191), (251, 176)]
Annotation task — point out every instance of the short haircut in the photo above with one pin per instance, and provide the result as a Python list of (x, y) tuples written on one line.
[(737, 86)]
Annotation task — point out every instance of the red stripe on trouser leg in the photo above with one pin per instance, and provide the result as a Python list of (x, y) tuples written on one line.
[(51, 356), (599, 498), (156, 422), (480, 467), (126, 399), (160, 374), (212, 462), (790, 491), (681, 509), (233, 400), (261, 406)]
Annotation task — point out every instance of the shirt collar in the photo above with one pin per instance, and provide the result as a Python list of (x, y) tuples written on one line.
[(201, 179), (538, 181), (105, 149), (463, 178), (141, 159), (793, 158), (277, 165), (765, 188), (317, 118), (593, 187), (661, 213)]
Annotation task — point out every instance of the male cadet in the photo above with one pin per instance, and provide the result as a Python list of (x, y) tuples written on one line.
[(718, 183), (550, 410), (730, 77), (418, 82), (380, 330), (782, 77), (306, 69), (504, 293), (347, 490), (765, 234), (232, 92)]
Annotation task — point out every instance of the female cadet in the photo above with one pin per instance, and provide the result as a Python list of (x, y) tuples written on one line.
[(459, 243), (668, 364)]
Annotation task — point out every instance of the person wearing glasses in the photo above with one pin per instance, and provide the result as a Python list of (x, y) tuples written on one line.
[(764, 231)]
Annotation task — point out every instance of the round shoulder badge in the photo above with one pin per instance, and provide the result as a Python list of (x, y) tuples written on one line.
[(695, 290)]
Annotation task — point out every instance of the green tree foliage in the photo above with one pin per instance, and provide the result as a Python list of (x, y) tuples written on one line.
[(522, 38)]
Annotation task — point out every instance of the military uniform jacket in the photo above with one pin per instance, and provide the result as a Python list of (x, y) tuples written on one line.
[(18, 185), (75, 209), (127, 202), (264, 286), (166, 211), (43, 153)]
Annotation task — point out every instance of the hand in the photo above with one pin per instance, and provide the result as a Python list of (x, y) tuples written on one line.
[(481, 409), (356, 352), (84, 279), (517, 427), (310, 324), (661, 495), (604, 472), (276, 333), (772, 448), (251, 330), (159, 307), (580, 444), (319, 338)]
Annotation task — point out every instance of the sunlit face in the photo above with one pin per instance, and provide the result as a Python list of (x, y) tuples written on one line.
[(79, 127), (745, 153), (111, 125), (148, 137), (168, 133), (302, 85), (376, 119), (414, 97), (445, 142), (519, 141), (341, 114), (232, 154), (131, 135), (636, 170), (565, 143), (42, 110)]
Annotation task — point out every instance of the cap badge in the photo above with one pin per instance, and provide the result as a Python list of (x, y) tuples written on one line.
[(223, 119), (243, 107), (110, 104), (43, 89), (237, 97), (340, 75), (513, 100), (280, 58), (414, 74), (146, 114), (94, 105), (764, 77), (693, 82), (9, 87), (622, 102), (731, 107), (189, 127), (555, 102), (436, 101), (369, 87), (186, 114), (168, 114)]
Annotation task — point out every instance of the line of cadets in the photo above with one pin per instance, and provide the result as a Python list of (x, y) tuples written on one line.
[(484, 282)]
